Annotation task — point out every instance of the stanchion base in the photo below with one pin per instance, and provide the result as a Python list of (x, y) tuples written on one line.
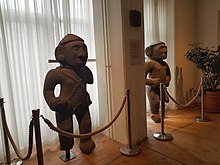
[(15, 161), (19, 162), (202, 119), (65, 159), (133, 151), (162, 137)]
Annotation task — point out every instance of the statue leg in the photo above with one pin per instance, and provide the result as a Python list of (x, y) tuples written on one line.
[(154, 102), (86, 145), (65, 122)]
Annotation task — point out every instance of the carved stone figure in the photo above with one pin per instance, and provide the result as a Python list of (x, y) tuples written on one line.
[(156, 71), (72, 75)]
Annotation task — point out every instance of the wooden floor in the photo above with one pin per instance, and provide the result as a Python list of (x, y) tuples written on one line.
[(194, 143)]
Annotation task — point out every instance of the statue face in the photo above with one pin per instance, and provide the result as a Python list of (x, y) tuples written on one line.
[(160, 51), (75, 53)]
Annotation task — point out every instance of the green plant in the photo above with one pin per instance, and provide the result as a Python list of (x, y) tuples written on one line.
[(208, 61)]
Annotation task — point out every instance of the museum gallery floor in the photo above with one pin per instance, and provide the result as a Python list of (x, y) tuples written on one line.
[(194, 143)]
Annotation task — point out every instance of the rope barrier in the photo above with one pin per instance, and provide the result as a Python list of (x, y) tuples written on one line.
[(31, 125), (161, 135), (30, 147), (7, 135), (70, 135), (67, 134), (13, 143), (187, 104)]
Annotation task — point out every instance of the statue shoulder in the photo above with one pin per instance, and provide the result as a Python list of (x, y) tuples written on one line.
[(150, 63), (164, 63), (56, 72), (86, 74), (85, 70)]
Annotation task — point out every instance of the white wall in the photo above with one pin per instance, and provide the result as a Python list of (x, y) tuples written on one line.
[(185, 33), (125, 74), (116, 57), (114, 63), (208, 21), (110, 69), (182, 30), (101, 63), (171, 49), (194, 21), (134, 64)]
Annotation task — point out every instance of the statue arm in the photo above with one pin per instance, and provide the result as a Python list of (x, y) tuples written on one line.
[(168, 76), (55, 103), (152, 81), (149, 67)]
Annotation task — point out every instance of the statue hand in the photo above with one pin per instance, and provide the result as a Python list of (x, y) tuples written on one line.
[(81, 97), (167, 82), (58, 104), (156, 81)]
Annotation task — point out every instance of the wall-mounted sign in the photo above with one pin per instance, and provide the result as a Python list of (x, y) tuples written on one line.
[(135, 52)]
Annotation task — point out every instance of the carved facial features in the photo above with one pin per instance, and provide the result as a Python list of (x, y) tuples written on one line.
[(75, 53), (159, 51)]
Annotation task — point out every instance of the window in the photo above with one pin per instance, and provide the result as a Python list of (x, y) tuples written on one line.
[(30, 31)]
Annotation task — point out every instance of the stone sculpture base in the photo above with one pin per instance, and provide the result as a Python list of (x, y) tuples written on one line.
[(67, 156)]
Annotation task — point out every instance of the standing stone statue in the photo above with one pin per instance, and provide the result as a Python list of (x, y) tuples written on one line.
[(72, 75), (156, 71)]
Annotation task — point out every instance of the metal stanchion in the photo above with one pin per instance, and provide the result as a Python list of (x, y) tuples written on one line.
[(202, 118), (36, 114), (161, 135), (8, 158), (130, 149), (16, 161)]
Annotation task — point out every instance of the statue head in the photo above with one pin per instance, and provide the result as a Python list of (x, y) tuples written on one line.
[(72, 51), (157, 50)]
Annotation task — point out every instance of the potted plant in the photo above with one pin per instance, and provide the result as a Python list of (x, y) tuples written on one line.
[(208, 61)]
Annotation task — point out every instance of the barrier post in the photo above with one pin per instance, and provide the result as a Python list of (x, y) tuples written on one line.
[(202, 118), (161, 135), (8, 158), (130, 149), (36, 113)]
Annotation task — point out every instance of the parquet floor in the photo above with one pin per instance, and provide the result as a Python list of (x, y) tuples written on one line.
[(194, 143)]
